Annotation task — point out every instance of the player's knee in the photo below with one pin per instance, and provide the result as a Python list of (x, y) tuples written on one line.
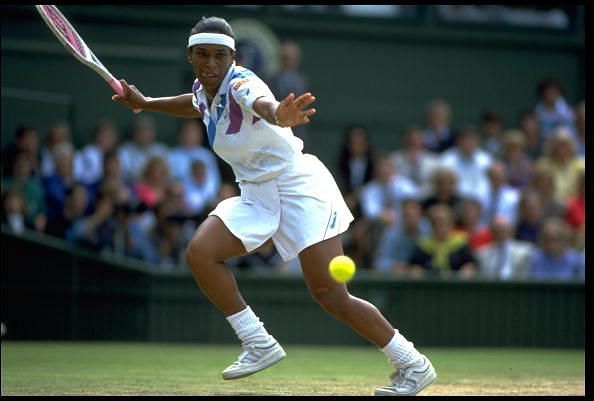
[(197, 253), (332, 300)]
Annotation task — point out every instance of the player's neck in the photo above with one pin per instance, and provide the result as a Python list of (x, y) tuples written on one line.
[(209, 97)]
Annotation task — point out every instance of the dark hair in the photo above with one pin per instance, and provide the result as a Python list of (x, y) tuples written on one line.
[(466, 130), (491, 116), (345, 154), (525, 113), (213, 25), (546, 83), (101, 125), (23, 129), (109, 155)]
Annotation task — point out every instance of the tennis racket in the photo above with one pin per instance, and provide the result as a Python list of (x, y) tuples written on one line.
[(72, 41)]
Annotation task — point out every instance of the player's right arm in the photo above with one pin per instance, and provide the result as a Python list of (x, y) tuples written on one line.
[(179, 106)]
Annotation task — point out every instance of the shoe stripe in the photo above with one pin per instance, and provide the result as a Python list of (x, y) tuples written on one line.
[(422, 371), (270, 346)]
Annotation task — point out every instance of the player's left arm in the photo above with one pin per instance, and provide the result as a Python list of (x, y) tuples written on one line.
[(289, 112)]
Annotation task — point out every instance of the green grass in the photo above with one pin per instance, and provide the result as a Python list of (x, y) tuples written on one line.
[(76, 368)]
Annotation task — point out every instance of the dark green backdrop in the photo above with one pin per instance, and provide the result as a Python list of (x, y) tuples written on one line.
[(52, 290)]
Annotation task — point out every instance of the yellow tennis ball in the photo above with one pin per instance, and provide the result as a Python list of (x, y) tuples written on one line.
[(342, 268)]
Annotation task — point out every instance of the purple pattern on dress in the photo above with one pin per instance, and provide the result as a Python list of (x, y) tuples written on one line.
[(202, 107), (255, 120), (235, 117), (195, 86)]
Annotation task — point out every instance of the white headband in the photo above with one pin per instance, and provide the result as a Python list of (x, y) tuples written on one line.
[(207, 38)]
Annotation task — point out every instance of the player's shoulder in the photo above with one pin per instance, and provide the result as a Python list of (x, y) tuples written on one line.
[(241, 76)]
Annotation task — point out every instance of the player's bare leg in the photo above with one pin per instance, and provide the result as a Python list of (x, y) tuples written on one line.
[(207, 251), (360, 315), (414, 371)]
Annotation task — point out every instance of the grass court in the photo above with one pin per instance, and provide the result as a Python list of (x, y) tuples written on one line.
[(116, 368)]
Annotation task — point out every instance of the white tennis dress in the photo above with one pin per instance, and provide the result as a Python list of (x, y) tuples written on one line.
[(286, 195)]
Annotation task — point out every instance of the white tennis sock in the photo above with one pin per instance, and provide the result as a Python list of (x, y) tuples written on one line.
[(400, 351), (248, 326)]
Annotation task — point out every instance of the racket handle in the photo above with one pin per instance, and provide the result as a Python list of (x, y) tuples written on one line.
[(117, 87)]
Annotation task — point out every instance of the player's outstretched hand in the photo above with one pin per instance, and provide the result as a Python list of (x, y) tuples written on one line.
[(291, 111), (132, 98)]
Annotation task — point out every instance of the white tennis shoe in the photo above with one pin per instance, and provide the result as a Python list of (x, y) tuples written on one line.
[(253, 358), (410, 380)]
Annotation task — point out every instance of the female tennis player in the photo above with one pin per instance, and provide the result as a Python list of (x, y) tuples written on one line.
[(287, 197)]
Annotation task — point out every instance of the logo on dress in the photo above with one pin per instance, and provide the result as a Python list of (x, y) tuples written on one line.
[(239, 83), (333, 222)]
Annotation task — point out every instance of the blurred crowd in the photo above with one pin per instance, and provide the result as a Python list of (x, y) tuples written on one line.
[(473, 201)]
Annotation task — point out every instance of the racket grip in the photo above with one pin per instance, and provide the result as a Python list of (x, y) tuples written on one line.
[(117, 87)]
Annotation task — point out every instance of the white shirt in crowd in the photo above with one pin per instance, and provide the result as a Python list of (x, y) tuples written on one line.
[(88, 164), (133, 158), (180, 163), (198, 196), (507, 260), (376, 197), (419, 170), (503, 202), (471, 171)]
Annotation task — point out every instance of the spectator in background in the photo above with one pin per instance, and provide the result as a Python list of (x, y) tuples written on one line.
[(528, 124), (355, 165), (26, 140), (554, 259), (88, 162), (445, 250), (152, 187), (381, 198), (575, 214), (518, 165), (398, 241), (226, 191), (14, 210), (580, 123), (134, 155), (543, 183), (500, 198), (444, 182), (561, 158), (95, 230), (552, 110), (112, 181), (57, 184), (57, 133), (189, 149), (491, 122), (265, 259), (31, 187), (74, 206), (469, 162), (290, 80), (504, 258), (470, 223), (414, 161), (530, 216), (166, 238), (437, 136), (199, 194)]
